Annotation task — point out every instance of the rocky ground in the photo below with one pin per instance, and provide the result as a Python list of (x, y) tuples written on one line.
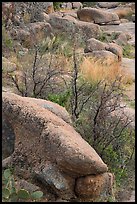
[(60, 21)]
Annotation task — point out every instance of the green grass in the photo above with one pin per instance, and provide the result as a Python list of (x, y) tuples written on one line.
[(104, 37), (128, 51), (130, 103), (60, 98)]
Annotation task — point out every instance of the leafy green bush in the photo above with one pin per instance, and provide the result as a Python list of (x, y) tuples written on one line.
[(60, 98), (57, 5), (108, 133), (11, 194)]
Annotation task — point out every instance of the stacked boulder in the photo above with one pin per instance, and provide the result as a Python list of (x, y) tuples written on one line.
[(48, 149), (98, 16), (103, 50)]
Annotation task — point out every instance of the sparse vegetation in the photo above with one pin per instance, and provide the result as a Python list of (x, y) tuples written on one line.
[(107, 38), (7, 42), (129, 102), (61, 99), (128, 50), (57, 5), (89, 4), (90, 89), (10, 193)]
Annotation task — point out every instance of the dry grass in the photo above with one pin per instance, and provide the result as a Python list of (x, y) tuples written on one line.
[(65, 10), (26, 18), (97, 70)]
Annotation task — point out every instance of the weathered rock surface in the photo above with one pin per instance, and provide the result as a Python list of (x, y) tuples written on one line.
[(104, 56), (97, 16), (108, 4), (22, 184), (127, 28), (115, 49), (22, 35), (48, 147), (70, 13), (71, 5), (8, 138), (26, 116), (77, 5), (53, 107), (98, 48), (124, 20), (87, 30), (44, 17), (129, 66), (122, 12), (37, 27), (122, 39), (27, 35), (58, 22), (93, 186), (71, 26), (61, 183), (48, 8), (92, 45)]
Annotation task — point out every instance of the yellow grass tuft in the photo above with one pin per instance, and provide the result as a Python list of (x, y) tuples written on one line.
[(97, 70)]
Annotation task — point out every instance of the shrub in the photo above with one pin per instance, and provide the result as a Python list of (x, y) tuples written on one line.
[(128, 50), (97, 114), (7, 42), (104, 37), (89, 4), (103, 124), (57, 5), (60, 98)]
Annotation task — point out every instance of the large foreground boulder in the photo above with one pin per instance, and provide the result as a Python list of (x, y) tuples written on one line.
[(8, 138), (32, 124), (48, 148), (97, 16)]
